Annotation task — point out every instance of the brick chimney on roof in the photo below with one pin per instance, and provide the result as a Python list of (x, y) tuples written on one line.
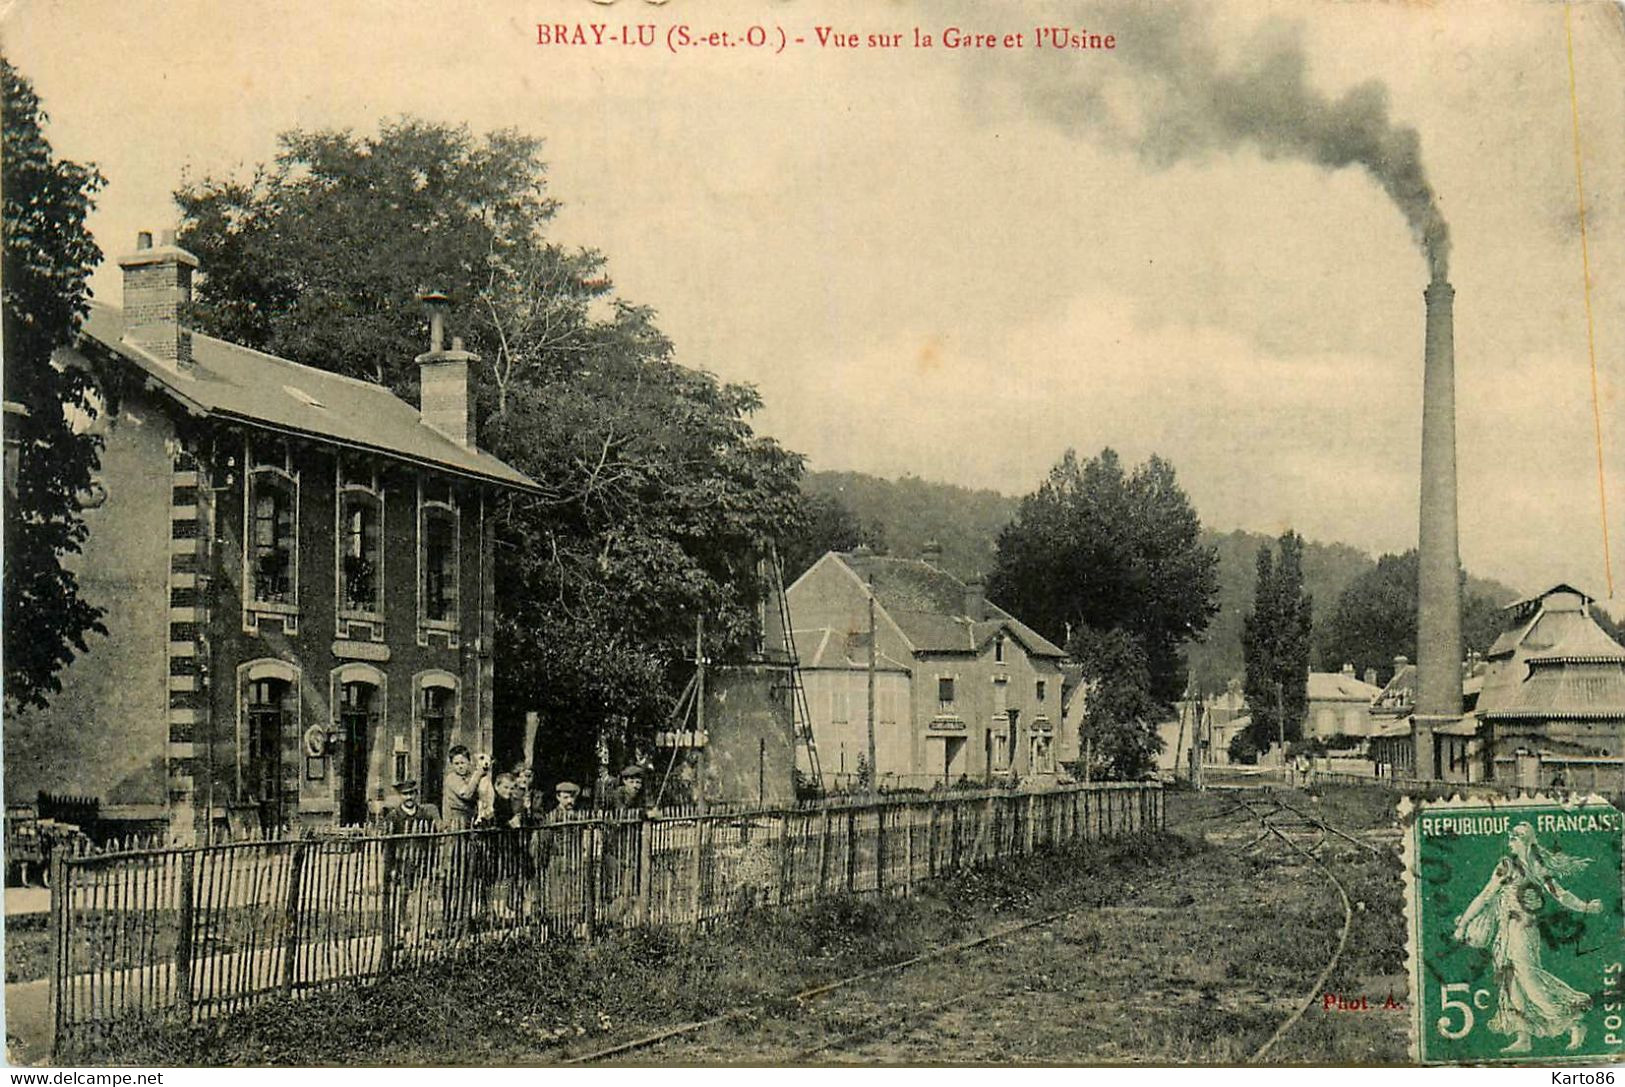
[(157, 292), (445, 379), (975, 600)]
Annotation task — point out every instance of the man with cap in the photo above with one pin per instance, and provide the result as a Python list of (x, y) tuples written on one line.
[(409, 813), (565, 794)]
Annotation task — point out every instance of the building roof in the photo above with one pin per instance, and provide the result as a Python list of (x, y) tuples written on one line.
[(1566, 667), (1336, 687), (1467, 726), (825, 647), (928, 606), (237, 383), (1575, 641), (1558, 690)]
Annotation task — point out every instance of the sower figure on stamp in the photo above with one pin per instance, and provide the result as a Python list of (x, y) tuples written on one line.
[(1530, 1001)]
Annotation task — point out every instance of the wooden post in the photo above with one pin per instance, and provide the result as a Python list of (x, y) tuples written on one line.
[(701, 740), (644, 849), (290, 952), (593, 835), (386, 877), (183, 940), (851, 848), (931, 839), (59, 946), (908, 848), (1032, 804), (880, 849), (783, 820), (696, 871), (823, 851)]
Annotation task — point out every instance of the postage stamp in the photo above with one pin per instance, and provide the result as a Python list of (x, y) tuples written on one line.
[(1516, 947)]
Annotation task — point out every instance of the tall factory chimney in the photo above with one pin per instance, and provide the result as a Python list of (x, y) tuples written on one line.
[(1438, 621)]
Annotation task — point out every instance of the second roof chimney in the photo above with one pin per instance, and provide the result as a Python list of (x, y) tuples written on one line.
[(445, 379)]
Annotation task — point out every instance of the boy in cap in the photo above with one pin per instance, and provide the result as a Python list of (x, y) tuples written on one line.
[(628, 795)]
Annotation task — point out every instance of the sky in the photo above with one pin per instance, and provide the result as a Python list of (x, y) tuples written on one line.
[(957, 262)]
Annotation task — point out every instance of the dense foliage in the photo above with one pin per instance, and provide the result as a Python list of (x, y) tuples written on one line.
[(827, 524), (1100, 547), (656, 494), (903, 515), (48, 256), (1119, 739), (1374, 619), (1275, 645)]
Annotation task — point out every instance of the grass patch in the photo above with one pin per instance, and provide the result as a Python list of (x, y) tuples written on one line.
[(534, 1002), (28, 947)]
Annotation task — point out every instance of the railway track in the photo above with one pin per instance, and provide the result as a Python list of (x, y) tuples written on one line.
[(1300, 832)]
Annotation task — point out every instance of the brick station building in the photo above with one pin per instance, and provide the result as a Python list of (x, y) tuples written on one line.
[(296, 568)]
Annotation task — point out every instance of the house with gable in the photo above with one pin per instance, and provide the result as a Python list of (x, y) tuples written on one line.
[(296, 568), (963, 689)]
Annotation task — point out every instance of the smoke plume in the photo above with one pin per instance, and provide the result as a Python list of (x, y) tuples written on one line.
[(1183, 100)]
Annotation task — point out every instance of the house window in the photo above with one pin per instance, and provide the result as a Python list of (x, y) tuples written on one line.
[(945, 690), (1040, 690), (1001, 745), (361, 553), (998, 649), (262, 782), (1043, 754), (273, 537), (437, 713), (439, 563)]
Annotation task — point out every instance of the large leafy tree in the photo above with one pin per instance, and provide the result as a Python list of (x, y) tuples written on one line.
[(1374, 619), (1119, 738), (1275, 644), (656, 493), (48, 256), (1097, 546)]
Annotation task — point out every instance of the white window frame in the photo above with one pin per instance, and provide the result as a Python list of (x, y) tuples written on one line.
[(370, 485), (252, 608), (426, 625)]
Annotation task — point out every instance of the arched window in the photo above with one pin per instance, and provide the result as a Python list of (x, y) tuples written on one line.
[(361, 552), (273, 537), (439, 560)]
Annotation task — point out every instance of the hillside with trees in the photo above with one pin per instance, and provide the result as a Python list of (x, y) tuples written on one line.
[(901, 515)]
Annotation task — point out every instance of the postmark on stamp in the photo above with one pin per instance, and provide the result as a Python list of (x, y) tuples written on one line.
[(1516, 947)]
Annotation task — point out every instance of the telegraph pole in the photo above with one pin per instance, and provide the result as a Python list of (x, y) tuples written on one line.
[(701, 741), (1280, 719), (874, 654)]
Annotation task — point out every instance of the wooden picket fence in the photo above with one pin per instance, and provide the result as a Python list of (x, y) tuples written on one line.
[(191, 933)]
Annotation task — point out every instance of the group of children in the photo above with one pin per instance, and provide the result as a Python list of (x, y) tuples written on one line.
[(476, 798)]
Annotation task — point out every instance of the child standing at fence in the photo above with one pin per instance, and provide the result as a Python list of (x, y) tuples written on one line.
[(462, 791)]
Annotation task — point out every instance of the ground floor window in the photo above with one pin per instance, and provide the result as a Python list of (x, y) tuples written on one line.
[(357, 719), (437, 708), (267, 725), (1043, 754)]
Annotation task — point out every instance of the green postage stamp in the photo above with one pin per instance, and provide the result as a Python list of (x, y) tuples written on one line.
[(1517, 952)]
